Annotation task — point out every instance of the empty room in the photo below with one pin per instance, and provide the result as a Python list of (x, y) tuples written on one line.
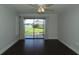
[(39, 29)]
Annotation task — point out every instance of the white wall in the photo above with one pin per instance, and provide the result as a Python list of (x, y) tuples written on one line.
[(51, 24), (68, 27), (7, 27)]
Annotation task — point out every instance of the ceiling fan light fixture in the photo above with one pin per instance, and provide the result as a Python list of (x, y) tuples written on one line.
[(41, 8)]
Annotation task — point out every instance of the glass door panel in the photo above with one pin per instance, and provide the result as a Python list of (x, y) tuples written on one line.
[(38, 28), (28, 24)]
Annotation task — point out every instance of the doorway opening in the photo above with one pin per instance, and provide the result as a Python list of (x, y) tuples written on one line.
[(34, 28)]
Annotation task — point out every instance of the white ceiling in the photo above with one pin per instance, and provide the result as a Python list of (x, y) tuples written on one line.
[(30, 8)]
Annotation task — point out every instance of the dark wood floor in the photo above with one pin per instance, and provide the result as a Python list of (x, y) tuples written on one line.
[(39, 47)]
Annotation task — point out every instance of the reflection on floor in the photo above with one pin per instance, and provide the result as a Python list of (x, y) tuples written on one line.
[(39, 47), (34, 36), (35, 46)]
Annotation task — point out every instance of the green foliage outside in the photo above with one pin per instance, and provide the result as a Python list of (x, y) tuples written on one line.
[(38, 26), (37, 29)]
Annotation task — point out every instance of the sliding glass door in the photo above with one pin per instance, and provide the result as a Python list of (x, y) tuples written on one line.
[(34, 28), (28, 27)]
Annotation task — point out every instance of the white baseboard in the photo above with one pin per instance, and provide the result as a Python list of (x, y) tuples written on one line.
[(69, 46), (53, 38), (8, 46)]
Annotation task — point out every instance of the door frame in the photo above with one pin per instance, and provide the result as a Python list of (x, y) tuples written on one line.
[(44, 31)]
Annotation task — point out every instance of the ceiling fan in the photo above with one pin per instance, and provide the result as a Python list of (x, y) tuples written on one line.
[(41, 8)]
